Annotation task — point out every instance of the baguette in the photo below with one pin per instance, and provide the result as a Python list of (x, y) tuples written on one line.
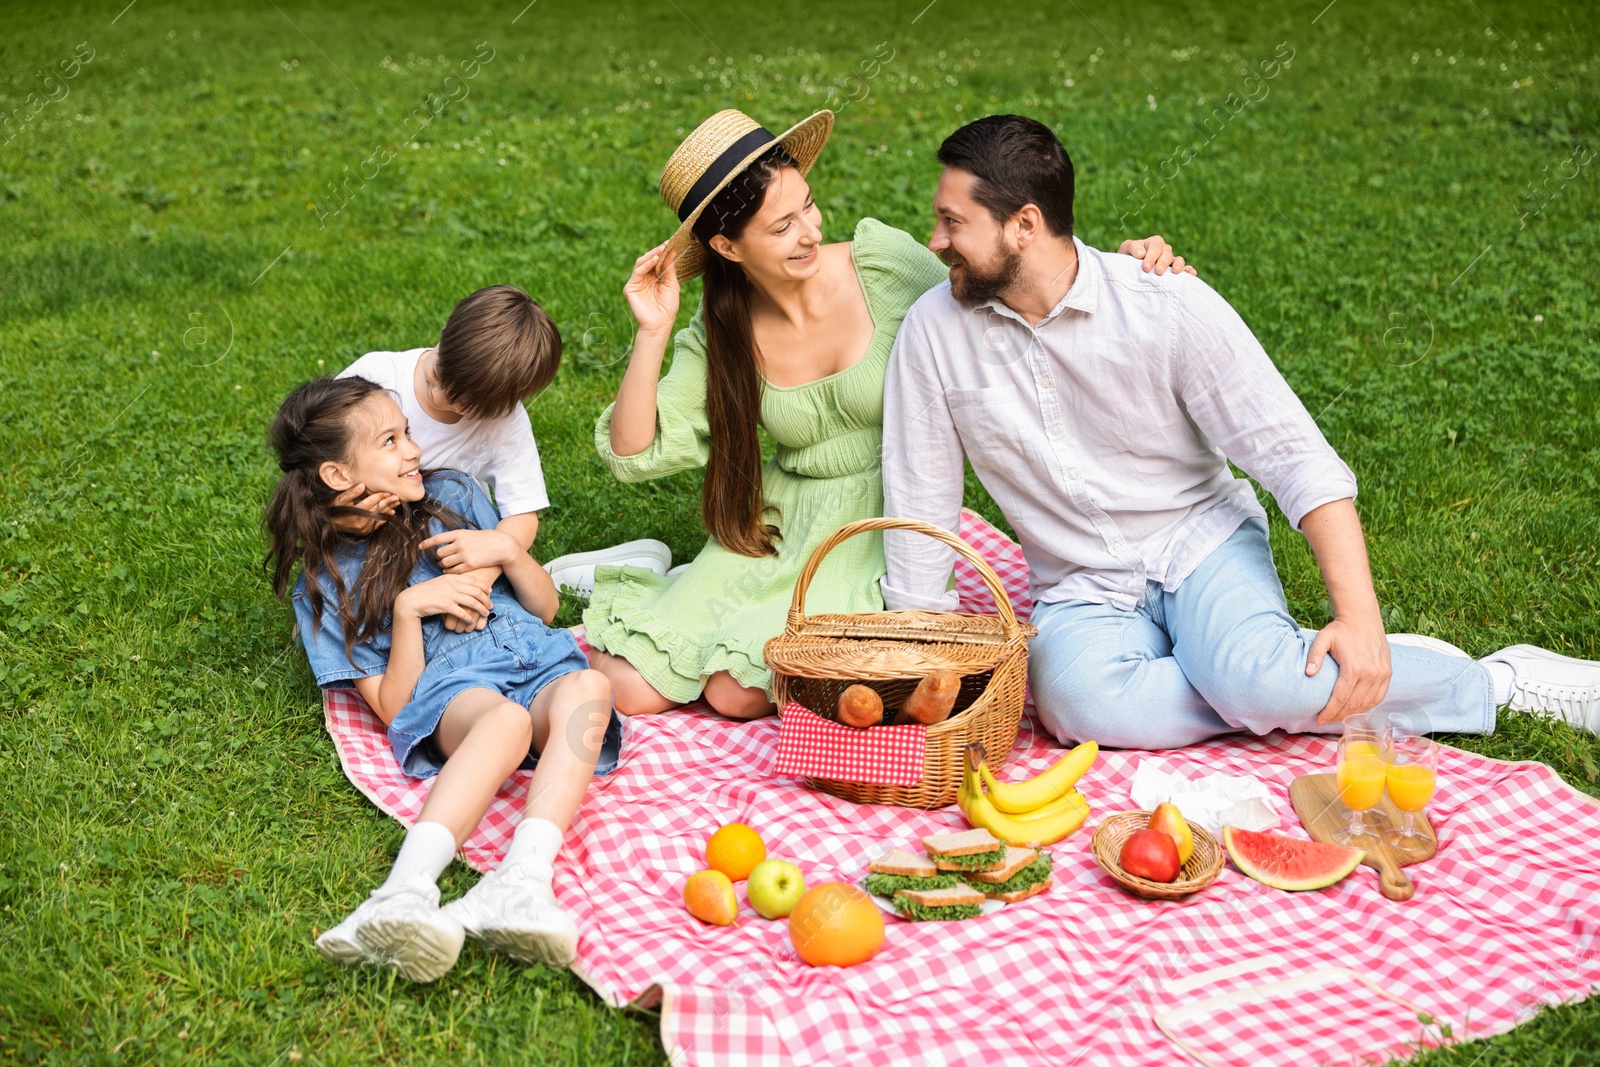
[(860, 706), (932, 700)]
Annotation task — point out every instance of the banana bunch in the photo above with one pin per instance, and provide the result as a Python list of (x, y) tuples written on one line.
[(1040, 811)]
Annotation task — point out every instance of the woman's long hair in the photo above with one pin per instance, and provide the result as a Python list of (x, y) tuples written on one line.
[(731, 503), (314, 426)]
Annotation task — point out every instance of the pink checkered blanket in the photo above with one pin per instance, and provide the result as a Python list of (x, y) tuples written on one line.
[(1504, 918)]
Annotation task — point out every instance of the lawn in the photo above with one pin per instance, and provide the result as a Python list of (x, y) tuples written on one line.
[(216, 205)]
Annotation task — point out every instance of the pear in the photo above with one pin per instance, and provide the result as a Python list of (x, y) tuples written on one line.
[(709, 897), (1170, 821)]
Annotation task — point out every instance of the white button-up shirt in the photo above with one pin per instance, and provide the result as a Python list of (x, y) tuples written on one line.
[(1103, 433)]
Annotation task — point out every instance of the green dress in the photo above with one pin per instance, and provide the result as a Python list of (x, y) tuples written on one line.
[(717, 614)]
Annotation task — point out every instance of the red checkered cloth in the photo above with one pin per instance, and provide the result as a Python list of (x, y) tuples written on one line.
[(810, 746), (369, 763), (1332, 1016), (1504, 919)]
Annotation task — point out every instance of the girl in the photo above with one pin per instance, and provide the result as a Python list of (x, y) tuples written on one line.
[(467, 707)]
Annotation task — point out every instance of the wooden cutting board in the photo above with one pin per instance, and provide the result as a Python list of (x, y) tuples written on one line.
[(1316, 800)]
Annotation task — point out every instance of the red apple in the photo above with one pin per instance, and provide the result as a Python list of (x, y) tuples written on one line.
[(1150, 854)]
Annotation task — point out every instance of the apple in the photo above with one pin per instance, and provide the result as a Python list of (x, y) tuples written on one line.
[(1150, 854), (1169, 820), (775, 887)]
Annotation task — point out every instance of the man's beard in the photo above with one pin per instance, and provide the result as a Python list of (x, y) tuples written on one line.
[(973, 286)]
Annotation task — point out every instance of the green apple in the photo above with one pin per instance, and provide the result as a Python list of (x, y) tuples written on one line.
[(775, 887)]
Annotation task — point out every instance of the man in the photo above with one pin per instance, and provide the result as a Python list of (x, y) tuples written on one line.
[(1100, 405)]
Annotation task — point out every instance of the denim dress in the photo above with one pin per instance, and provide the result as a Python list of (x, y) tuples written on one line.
[(516, 654)]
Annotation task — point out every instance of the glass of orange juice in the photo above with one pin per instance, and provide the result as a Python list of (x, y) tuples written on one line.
[(1361, 773), (1412, 774)]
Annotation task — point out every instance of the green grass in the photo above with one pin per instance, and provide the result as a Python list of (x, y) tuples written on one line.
[(175, 822)]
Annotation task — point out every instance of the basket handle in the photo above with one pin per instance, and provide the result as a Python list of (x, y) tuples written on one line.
[(1002, 601)]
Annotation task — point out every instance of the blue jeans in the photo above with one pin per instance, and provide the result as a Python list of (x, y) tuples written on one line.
[(1218, 655)]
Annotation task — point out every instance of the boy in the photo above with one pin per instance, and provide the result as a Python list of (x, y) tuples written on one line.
[(463, 398)]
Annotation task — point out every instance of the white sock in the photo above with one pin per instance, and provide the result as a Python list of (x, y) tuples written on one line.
[(424, 854), (1502, 676), (536, 839)]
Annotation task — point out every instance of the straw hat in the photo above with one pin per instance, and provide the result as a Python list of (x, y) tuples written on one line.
[(718, 151)]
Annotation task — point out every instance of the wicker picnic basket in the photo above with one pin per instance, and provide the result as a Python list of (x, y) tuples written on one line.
[(818, 656)]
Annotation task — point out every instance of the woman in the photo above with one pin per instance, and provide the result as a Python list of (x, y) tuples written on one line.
[(792, 336)]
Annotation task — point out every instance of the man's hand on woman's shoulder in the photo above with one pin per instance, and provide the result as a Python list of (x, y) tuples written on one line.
[(1157, 255)]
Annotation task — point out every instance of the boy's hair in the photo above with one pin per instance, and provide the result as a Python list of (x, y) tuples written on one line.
[(1017, 161), (315, 426), (497, 347)]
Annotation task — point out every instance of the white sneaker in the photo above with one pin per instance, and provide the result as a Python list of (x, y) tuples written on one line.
[(402, 928), (513, 911), (1552, 684), (1432, 644), (679, 569), (576, 570)]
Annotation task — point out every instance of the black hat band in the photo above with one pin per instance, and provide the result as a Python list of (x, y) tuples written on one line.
[(720, 169)]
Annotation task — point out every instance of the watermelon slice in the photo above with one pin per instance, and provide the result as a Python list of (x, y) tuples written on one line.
[(1287, 862)]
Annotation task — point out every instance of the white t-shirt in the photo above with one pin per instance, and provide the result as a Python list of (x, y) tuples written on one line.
[(499, 452)]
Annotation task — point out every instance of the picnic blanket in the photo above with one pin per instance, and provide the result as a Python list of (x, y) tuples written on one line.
[(1504, 919)]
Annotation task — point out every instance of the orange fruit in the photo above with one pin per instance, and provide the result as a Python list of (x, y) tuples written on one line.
[(837, 924), (709, 897), (735, 850)]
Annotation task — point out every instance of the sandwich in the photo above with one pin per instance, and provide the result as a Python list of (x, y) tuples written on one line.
[(974, 850), (887, 885), (898, 869), (1025, 873), (952, 902)]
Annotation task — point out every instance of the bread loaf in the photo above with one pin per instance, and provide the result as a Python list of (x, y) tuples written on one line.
[(932, 700), (861, 707)]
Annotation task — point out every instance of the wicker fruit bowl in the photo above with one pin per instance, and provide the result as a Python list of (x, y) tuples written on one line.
[(818, 656), (1202, 868)]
